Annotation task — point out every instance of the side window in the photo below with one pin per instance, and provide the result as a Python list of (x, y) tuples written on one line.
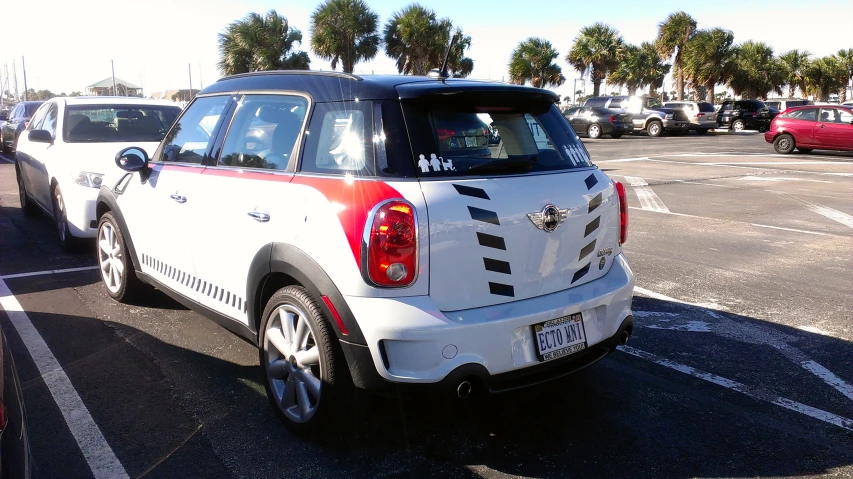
[(264, 132), (829, 115), (16, 112), (50, 121), (845, 116), (189, 139), (809, 114), (340, 140), (38, 117)]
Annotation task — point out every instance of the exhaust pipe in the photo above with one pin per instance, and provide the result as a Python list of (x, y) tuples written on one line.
[(623, 337), (463, 390)]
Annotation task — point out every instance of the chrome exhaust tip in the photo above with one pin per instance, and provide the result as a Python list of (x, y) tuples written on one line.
[(463, 390), (623, 337)]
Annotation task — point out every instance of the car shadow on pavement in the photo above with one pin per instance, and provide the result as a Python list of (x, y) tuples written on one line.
[(171, 411)]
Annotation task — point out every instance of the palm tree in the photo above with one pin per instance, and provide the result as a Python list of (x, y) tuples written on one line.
[(825, 76), (845, 56), (258, 43), (599, 48), (794, 63), (345, 31), (673, 35), (418, 40), (533, 61), (756, 71), (708, 59), (639, 67)]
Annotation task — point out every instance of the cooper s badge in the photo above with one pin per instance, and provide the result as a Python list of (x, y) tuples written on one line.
[(549, 218)]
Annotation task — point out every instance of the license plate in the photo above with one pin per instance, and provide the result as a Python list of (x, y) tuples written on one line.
[(470, 142), (559, 337)]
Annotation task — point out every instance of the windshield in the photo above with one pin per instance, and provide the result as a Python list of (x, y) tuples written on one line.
[(491, 135), (113, 123)]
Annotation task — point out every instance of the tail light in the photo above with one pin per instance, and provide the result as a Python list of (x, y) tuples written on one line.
[(390, 251), (445, 133), (623, 212), (699, 114), (26, 123), (613, 119)]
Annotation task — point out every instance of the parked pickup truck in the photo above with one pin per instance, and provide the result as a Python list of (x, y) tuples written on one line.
[(648, 112)]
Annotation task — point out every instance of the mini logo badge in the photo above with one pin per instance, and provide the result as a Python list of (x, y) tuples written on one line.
[(549, 218)]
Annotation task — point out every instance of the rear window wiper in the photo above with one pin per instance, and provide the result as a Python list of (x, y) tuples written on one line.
[(504, 166)]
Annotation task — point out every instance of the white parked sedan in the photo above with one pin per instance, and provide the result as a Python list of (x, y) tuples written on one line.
[(68, 150)]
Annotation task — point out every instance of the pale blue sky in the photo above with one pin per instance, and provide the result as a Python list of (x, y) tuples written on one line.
[(153, 41)]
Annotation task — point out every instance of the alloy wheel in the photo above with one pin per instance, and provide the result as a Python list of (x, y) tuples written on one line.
[(293, 363), (111, 258), (737, 126)]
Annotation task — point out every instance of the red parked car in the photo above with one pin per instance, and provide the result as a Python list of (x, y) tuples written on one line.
[(812, 127)]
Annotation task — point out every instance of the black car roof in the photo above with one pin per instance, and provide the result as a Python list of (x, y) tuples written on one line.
[(335, 86)]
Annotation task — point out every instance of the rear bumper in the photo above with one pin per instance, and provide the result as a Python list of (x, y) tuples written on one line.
[(676, 125), (411, 341), (703, 125), (618, 128)]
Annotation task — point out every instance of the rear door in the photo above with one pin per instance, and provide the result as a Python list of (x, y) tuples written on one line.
[(521, 219), (834, 130)]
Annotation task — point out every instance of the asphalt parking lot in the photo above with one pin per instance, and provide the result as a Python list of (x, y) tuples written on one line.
[(741, 362)]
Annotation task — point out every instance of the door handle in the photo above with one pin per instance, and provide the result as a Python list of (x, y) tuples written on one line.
[(260, 216), (179, 198), (823, 126)]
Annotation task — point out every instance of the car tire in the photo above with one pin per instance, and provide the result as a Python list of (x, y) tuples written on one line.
[(28, 206), (616, 135), (115, 263), (594, 131), (68, 242), (784, 144), (313, 397), (654, 128), (4, 147), (738, 125), (805, 150), (701, 131)]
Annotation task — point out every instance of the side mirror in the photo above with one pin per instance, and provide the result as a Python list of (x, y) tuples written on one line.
[(132, 159), (40, 136)]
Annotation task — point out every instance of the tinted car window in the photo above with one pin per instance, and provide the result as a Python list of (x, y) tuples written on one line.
[(774, 104), (340, 140), (126, 123), (191, 136), (264, 132), (49, 123), (450, 138), (791, 103), (808, 114), (31, 108), (572, 111), (706, 107), (38, 118), (598, 101)]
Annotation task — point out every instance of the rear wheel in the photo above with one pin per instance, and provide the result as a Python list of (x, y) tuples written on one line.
[(654, 129), (701, 131), (594, 130), (784, 144), (115, 264), (616, 135), (67, 241), (805, 150), (308, 383), (738, 125), (28, 206)]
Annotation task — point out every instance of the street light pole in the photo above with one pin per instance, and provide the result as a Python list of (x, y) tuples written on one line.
[(24, 68)]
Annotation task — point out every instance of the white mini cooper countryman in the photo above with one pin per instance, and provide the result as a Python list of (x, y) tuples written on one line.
[(371, 231)]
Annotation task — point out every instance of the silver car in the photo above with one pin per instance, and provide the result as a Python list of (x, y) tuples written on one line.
[(701, 114)]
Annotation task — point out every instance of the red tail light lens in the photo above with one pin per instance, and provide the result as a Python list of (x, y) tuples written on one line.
[(391, 245), (623, 212), (445, 133), (613, 119)]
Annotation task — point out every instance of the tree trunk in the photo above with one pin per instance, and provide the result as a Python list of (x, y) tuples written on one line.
[(709, 92), (596, 87), (679, 84), (791, 88), (842, 94)]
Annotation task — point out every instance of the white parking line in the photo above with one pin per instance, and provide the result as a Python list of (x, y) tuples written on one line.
[(733, 221), (649, 200), (46, 272), (100, 457), (755, 393)]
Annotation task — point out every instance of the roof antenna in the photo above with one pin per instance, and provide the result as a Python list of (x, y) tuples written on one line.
[(442, 74)]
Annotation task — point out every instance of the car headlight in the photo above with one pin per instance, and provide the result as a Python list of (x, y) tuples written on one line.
[(91, 180), (669, 116)]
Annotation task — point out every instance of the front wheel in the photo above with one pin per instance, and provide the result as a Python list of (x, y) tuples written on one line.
[(654, 128), (67, 241), (308, 382), (784, 144), (114, 262), (594, 131), (738, 125)]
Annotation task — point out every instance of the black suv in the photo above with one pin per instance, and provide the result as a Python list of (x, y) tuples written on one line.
[(739, 115)]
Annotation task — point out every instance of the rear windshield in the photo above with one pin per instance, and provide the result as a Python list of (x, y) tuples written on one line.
[(109, 123), (482, 134), (30, 108), (705, 107)]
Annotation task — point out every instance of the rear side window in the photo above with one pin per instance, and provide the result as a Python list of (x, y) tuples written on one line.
[(483, 134), (706, 107), (340, 140), (807, 114)]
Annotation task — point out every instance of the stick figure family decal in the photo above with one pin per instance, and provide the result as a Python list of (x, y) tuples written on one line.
[(437, 164)]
